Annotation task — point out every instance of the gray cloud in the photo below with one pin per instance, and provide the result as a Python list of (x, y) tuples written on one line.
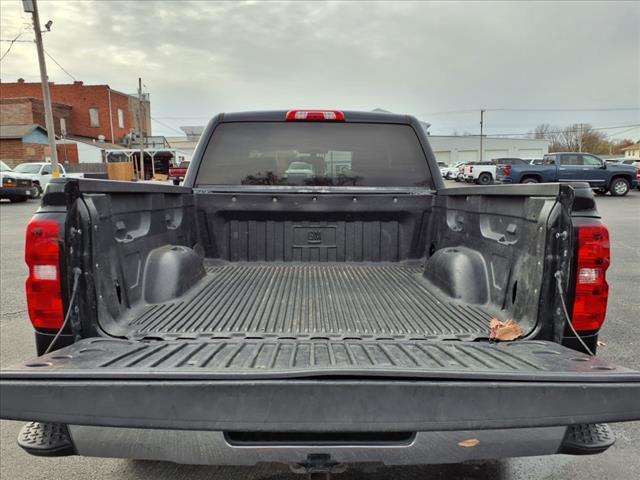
[(198, 58)]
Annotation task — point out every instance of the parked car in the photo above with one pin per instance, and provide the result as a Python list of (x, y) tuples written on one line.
[(450, 172), (634, 162), (480, 172), (484, 173), (177, 174), (14, 186), (574, 167), (40, 173), (227, 322), (299, 170)]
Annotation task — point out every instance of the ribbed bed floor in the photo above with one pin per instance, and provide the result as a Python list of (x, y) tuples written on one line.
[(314, 300)]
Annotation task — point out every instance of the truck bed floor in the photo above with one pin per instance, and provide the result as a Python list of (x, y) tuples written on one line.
[(288, 300)]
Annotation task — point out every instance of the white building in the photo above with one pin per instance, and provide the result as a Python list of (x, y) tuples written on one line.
[(452, 149), (86, 150), (186, 145)]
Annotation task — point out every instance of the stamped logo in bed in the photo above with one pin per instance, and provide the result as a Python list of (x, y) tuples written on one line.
[(314, 236)]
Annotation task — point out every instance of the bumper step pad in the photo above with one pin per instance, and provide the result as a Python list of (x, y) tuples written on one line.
[(587, 439), (46, 440)]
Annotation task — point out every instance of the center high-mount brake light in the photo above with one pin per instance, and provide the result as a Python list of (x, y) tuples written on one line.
[(315, 116), (42, 254), (592, 290)]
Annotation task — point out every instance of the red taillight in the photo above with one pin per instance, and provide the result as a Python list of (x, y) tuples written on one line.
[(507, 170), (315, 116), (42, 254), (592, 290)]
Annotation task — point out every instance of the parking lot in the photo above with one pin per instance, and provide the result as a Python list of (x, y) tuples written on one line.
[(620, 345)]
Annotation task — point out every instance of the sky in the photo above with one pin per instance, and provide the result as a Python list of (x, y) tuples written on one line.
[(526, 63)]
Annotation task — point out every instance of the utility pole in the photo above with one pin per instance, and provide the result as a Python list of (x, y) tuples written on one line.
[(31, 6), (481, 129), (140, 117)]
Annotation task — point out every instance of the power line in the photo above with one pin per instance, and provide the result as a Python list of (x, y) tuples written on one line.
[(604, 109), (567, 130), (607, 109), (61, 67), (450, 112), (11, 44), (185, 118), (167, 126)]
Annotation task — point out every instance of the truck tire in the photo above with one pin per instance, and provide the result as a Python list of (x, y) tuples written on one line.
[(619, 187), (530, 180), (485, 179), (38, 191)]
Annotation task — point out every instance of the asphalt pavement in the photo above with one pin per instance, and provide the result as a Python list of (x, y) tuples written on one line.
[(620, 334)]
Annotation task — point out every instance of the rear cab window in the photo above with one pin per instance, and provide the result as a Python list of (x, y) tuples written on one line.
[(314, 154)]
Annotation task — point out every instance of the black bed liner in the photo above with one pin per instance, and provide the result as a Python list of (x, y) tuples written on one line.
[(311, 300)]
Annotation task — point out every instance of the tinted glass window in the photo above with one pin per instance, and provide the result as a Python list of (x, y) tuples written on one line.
[(549, 159), (591, 161), (184, 165), (314, 153), (46, 170), (571, 159), (27, 168)]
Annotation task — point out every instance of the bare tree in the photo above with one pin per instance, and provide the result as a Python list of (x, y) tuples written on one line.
[(574, 138)]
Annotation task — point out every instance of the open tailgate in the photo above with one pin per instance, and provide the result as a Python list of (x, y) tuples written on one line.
[(319, 385)]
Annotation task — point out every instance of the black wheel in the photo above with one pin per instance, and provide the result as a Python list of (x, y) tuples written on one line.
[(484, 179), (619, 187), (530, 180), (600, 191)]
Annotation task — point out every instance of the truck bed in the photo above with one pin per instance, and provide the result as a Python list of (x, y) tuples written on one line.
[(295, 300)]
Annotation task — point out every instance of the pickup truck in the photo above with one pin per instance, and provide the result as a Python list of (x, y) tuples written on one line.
[(316, 321), (484, 173), (40, 173), (177, 174), (574, 167), (14, 186)]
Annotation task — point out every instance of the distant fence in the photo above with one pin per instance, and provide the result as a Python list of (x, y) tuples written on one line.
[(85, 167)]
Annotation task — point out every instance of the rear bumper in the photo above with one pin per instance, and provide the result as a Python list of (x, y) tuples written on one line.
[(308, 405), (197, 447), (504, 180)]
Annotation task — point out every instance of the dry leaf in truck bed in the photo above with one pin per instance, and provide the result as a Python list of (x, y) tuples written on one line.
[(504, 331), (472, 442)]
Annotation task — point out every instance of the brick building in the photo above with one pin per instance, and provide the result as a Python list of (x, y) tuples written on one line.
[(96, 111), (23, 143), (30, 111)]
